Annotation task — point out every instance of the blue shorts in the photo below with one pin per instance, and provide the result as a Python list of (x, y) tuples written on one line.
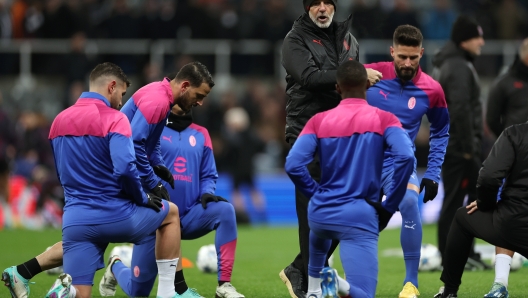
[(386, 178), (84, 246)]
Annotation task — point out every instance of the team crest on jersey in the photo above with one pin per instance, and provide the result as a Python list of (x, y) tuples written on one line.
[(192, 141), (136, 271), (411, 103)]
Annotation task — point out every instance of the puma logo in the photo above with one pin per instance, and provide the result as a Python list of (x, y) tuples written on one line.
[(167, 138), (410, 227), (318, 42), (384, 95)]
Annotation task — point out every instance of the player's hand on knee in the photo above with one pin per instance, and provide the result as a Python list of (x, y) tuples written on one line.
[(431, 189), (220, 199), (207, 197), (165, 174), (154, 202), (160, 191)]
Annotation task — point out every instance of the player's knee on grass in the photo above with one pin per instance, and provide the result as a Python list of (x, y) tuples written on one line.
[(141, 289)]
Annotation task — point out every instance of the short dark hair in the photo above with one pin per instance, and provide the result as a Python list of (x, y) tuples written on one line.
[(196, 73), (108, 69), (351, 74), (407, 35)]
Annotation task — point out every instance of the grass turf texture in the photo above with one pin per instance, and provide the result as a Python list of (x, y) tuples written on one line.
[(261, 253)]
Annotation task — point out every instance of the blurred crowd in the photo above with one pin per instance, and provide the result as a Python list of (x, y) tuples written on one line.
[(231, 19), (251, 139), (238, 19)]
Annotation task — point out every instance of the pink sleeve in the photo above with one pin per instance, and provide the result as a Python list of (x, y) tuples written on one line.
[(121, 126), (389, 119), (205, 133), (309, 128)]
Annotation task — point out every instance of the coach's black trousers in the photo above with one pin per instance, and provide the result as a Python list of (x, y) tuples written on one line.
[(464, 229), (301, 204), (460, 179)]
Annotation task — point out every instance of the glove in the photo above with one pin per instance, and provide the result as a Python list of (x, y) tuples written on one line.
[(160, 191), (154, 202), (431, 189), (383, 215), (164, 174), (207, 197)]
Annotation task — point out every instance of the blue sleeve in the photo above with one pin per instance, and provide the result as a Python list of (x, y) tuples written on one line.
[(156, 158), (140, 132), (438, 139), (401, 148), (124, 163), (208, 173), (301, 154)]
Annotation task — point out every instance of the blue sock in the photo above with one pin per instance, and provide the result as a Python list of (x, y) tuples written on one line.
[(411, 235), (122, 274), (318, 249)]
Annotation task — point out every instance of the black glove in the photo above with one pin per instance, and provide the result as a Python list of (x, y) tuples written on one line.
[(160, 191), (154, 202), (164, 174), (207, 197), (431, 189), (383, 215)]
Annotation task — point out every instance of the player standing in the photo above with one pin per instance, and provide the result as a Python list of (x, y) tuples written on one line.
[(409, 93)]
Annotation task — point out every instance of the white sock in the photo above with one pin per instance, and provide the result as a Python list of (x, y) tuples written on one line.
[(316, 294), (343, 286), (73, 292), (502, 268), (166, 273), (314, 284)]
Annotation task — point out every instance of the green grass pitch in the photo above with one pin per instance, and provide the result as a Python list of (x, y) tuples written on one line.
[(261, 253)]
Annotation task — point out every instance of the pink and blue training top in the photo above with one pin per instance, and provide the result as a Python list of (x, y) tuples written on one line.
[(189, 156), (96, 163), (410, 101), (147, 110), (350, 141)]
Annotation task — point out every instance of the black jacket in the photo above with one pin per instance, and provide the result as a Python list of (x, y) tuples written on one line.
[(311, 57), (508, 159), (508, 99), (455, 72)]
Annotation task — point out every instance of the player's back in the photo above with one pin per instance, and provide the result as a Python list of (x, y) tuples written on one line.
[(80, 139), (351, 146)]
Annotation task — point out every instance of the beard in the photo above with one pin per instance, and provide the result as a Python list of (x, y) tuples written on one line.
[(320, 24), (406, 73), (184, 102)]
